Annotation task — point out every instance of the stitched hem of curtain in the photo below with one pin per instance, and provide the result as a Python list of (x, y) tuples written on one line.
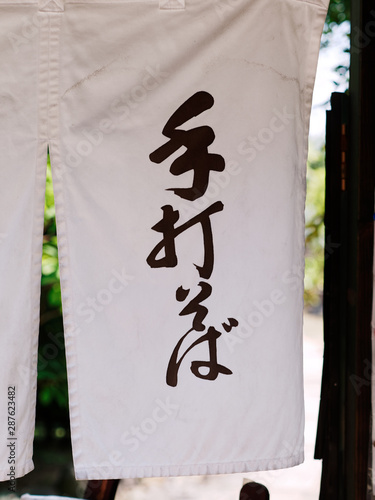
[(27, 496), (188, 470), (106, 2), (26, 445), (21, 470), (317, 3)]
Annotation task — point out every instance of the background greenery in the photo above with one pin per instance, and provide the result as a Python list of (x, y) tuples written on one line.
[(338, 12), (314, 230)]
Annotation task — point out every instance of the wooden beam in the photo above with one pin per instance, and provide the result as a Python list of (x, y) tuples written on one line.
[(101, 489), (360, 230)]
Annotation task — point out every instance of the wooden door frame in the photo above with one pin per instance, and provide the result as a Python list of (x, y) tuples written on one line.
[(344, 439), (361, 245)]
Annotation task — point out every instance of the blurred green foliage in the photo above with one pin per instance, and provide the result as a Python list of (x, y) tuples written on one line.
[(314, 229), (338, 12), (50, 267), (52, 420)]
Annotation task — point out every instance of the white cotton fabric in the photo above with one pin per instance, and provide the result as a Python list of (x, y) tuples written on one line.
[(97, 81)]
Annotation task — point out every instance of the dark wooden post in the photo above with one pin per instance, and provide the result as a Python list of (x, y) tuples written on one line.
[(344, 437), (360, 231), (101, 489), (330, 443)]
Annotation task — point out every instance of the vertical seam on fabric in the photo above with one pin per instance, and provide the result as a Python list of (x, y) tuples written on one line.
[(317, 3), (57, 173), (48, 76), (37, 232)]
